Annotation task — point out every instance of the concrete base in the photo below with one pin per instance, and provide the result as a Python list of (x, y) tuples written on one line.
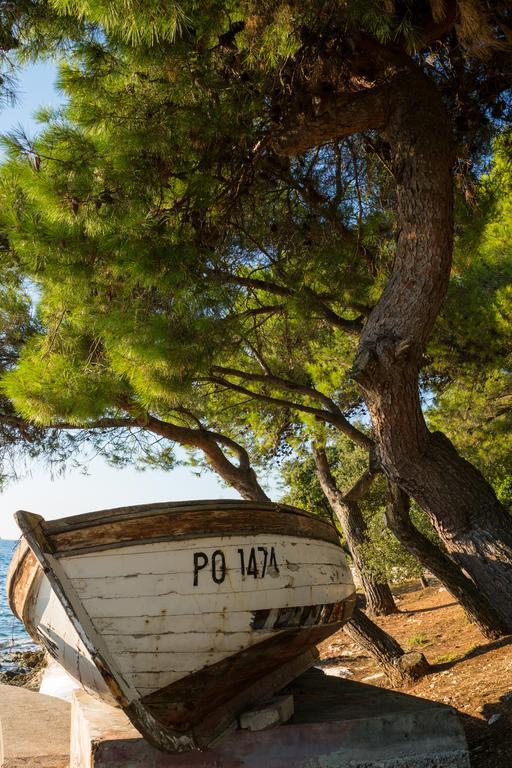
[(56, 682), (337, 724), (34, 729)]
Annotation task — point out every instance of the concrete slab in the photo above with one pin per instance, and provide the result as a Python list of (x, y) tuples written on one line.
[(337, 724), (34, 729)]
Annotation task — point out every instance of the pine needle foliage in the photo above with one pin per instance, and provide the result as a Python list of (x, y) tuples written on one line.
[(167, 239)]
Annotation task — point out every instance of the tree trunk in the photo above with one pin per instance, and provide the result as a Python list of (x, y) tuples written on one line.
[(379, 600), (441, 566), (399, 666), (423, 579), (474, 527)]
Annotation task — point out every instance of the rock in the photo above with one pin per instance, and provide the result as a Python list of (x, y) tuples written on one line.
[(413, 665), (22, 668), (337, 671), (274, 712), (494, 719)]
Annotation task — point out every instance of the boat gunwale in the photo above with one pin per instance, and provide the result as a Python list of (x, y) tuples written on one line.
[(81, 550), (192, 524), (118, 514)]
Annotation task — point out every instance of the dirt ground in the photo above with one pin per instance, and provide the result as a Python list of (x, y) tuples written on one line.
[(468, 672)]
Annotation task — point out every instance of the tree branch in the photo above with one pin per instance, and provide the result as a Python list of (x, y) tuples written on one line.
[(278, 381), (333, 117), (328, 417), (352, 326)]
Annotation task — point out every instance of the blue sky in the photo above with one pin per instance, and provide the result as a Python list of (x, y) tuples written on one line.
[(35, 88), (104, 486)]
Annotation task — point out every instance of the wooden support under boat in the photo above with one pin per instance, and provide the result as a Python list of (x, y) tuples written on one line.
[(183, 614)]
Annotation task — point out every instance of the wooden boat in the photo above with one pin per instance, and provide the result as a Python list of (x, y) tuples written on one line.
[(183, 614)]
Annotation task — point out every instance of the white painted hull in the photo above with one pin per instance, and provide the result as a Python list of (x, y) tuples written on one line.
[(130, 621)]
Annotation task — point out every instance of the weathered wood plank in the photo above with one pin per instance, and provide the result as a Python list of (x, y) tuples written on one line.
[(174, 507), (183, 583), (161, 625), (182, 642), (174, 557), (21, 578), (190, 524), (154, 668), (176, 605)]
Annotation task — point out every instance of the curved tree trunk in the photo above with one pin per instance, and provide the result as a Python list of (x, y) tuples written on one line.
[(379, 600), (399, 666), (441, 566), (408, 112), (240, 476), (474, 527)]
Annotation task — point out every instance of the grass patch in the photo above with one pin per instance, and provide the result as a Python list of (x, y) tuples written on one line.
[(418, 641)]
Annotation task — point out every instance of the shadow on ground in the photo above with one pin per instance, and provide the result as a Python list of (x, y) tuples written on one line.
[(490, 740), (480, 650)]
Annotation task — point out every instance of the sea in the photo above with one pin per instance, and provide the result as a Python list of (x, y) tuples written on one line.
[(13, 636)]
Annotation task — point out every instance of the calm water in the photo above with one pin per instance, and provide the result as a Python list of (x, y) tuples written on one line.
[(12, 632)]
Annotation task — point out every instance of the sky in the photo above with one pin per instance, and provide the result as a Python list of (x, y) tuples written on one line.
[(103, 487)]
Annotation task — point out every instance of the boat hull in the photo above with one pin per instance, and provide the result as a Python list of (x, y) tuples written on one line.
[(183, 614)]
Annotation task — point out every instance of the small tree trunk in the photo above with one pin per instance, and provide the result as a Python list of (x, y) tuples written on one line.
[(437, 562), (399, 666), (379, 600), (423, 580)]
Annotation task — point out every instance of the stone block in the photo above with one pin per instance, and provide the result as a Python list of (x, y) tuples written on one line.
[(273, 712)]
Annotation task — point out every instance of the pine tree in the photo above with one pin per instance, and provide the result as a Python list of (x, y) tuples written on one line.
[(218, 171)]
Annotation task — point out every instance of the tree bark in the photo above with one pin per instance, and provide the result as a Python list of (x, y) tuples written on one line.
[(379, 599), (423, 579), (399, 666), (477, 608)]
